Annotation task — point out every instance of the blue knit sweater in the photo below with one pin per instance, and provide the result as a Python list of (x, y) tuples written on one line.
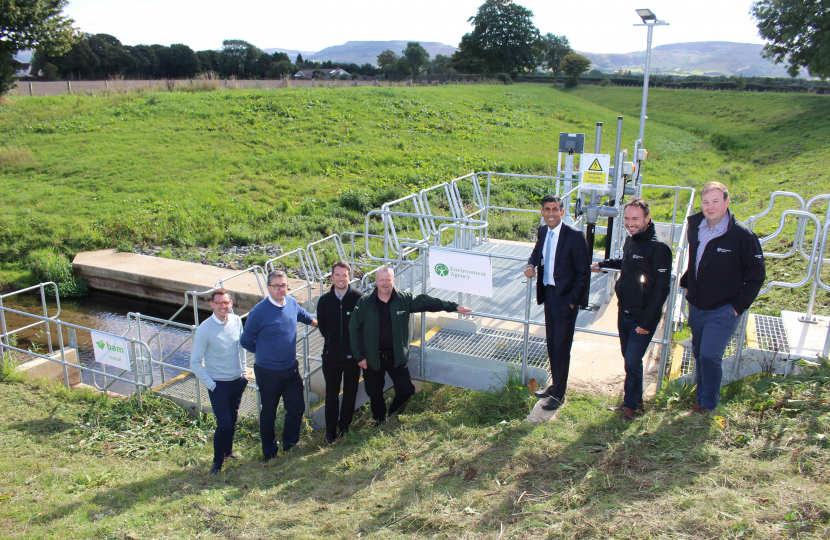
[(271, 333)]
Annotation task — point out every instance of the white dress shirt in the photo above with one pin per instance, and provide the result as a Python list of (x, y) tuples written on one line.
[(553, 243)]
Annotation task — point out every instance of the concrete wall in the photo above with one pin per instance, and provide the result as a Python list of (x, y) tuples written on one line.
[(39, 368)]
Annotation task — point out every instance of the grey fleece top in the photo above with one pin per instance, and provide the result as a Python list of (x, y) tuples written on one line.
[(218, 345)]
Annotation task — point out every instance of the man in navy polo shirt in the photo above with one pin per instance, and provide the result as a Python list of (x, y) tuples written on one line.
[(271, 334)]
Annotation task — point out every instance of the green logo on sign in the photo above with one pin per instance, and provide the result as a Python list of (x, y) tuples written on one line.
[(441, 269), (100, 344)]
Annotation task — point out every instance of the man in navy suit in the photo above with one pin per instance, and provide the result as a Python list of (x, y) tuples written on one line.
[(563, 261)]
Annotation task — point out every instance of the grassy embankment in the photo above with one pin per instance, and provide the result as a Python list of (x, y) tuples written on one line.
[(458, 465), (289, 166)]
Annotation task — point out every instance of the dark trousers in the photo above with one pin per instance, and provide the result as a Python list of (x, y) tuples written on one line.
[(560, 323), (375, 379), (339, 416), (273, 385), (633, 347), (225, 400), (711, 332)]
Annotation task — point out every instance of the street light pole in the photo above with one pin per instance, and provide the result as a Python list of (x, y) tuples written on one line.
[(650, 21)]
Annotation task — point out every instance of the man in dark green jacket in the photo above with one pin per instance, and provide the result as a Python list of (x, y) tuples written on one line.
[(379, 331)]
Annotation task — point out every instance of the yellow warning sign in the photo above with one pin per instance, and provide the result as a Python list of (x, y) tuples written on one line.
[(597, 171)]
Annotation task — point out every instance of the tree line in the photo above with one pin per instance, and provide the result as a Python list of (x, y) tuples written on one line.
[(102, 56)]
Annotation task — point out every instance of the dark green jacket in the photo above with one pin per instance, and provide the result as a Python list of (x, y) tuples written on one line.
[(364, 326)]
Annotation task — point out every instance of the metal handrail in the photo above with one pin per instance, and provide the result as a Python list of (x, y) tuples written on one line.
[(4, 331), (800, 214), (62, 349)]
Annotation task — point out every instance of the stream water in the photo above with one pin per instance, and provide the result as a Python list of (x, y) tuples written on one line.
[(108, 313)]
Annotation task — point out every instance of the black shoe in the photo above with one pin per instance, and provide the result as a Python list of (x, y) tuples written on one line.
[(379, 423), (552, 404), (268, 457), (543, 393), (232, 456), (216, 469), (330, 439)]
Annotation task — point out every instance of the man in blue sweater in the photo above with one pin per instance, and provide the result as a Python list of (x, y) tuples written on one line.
[(271, 334), (223, 373)]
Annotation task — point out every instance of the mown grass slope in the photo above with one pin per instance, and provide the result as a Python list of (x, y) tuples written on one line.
[(460, 464)]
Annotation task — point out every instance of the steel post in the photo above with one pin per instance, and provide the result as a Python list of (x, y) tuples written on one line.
[(487, 210), (598, 141), (645, 86), (664, 352), (424, 270), (46, 314), (528, 291)]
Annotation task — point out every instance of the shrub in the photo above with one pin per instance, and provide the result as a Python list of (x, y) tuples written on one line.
[(47, 265), (571, 82), (358, 201), (605, 82), (504, 78)]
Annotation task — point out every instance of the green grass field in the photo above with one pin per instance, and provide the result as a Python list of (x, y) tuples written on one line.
[(254, 167), (460, 464)]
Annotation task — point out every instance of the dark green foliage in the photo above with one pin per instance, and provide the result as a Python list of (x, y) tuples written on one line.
[(503, 40), (798, 32), (504, 78), (356, 200), (47, 265)]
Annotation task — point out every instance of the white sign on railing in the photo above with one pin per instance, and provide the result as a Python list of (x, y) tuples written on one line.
[(111, 350), (460, 272)]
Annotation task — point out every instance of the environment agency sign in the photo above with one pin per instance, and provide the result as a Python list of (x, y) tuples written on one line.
[(111, 350), (460, 272)]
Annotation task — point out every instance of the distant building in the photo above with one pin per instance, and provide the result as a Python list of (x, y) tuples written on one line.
[(22, 69), (326, 73)]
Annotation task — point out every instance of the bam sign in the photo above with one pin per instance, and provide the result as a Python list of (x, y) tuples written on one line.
[(461, 272), (110, 350)]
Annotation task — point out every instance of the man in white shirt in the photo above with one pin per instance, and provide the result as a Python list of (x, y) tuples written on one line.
[(219, 363)]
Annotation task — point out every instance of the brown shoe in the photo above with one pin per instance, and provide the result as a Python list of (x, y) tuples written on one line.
[(619, 408), (628, 415), (697, 409)]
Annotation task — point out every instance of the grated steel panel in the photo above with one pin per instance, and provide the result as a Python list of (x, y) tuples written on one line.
[(771, 334), (491, 344), (185, 389)]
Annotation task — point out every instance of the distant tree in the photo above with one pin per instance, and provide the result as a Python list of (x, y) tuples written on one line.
[(387, 58), (31, 24), (210, 60), (554, 49), (177, 61), (113, 58), (463, 60), (439, 65), (595, 73), (240, 58), (740, 83), (317, 74), (503, 39), (280, 69), (799, 32), (368, 70), (574, 65), (416, 57), (299, 60)]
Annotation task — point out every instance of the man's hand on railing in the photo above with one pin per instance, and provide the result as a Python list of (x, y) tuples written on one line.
[(530, 271), (595, 268), (464, 310)]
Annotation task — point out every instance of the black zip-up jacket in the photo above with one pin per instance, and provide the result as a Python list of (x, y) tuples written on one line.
[(333, 317), (645, 277), (731, 270)]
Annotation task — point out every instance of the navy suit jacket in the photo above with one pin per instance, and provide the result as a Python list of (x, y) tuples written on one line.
[(571, 270)]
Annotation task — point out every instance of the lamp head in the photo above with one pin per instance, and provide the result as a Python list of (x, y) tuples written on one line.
[(646, 15)]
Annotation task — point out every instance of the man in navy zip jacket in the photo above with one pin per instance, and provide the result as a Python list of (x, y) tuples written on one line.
[(334, 311), (271, 334), (726, 271), (563, 261), (642, 289)]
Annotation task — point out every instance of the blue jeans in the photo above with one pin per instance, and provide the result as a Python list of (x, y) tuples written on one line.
[(711, 332), (633, 347), (225, 400), (275, 384)]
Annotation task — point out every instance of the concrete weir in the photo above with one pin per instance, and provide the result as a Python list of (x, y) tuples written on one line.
[(166, 280)]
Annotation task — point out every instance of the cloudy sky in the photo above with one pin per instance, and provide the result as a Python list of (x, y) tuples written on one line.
[(599, 26)]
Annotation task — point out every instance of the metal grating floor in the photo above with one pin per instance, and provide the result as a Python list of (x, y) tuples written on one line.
[(771, 334), (491, 344), (184, 388)]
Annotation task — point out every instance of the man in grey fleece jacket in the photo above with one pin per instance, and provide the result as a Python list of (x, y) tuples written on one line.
[(223, 373)]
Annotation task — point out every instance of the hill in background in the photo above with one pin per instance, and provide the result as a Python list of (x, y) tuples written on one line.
[(362, 52), (697, 58)]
